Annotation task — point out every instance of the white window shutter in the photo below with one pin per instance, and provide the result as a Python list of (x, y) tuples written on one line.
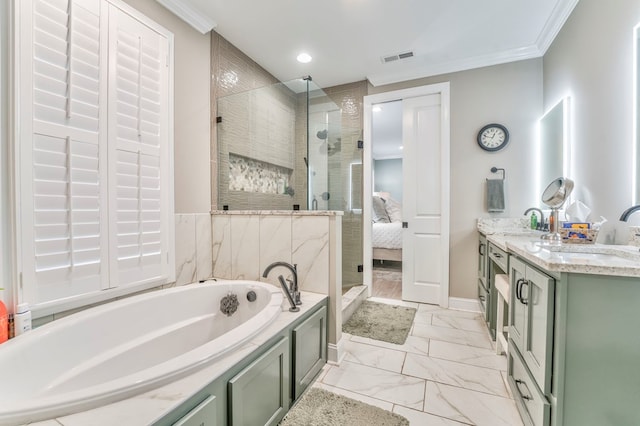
[(63, 166), (94, 150), (138, 117)]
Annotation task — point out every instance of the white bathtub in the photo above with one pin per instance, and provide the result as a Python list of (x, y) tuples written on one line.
[(122, 348)]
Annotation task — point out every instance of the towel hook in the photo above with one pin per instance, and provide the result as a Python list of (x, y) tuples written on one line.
[(496, 169)]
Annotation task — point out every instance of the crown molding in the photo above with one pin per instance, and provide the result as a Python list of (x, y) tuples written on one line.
[(189, 14), (429, 70), (552, 27)]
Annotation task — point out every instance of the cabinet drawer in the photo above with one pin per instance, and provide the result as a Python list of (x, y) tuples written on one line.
[(204, 414), (483, 298), (499, 257), (532, 404)]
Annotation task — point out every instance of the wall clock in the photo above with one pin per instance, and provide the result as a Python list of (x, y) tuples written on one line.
[(493, 137)]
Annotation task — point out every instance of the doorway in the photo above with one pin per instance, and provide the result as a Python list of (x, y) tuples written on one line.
[(386, 226), (425, 191)]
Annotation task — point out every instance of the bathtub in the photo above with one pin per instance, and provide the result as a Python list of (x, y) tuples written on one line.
[(122, 348)]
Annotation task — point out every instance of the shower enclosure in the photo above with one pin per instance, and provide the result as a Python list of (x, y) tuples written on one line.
[(285, 147)]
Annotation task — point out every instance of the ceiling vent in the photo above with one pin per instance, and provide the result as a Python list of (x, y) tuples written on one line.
[(396, 57)]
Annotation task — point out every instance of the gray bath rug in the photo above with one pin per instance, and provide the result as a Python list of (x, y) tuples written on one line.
[(319, 407), (379, 321)]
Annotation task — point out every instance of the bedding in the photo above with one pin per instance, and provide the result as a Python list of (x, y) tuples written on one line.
[(387, 235)]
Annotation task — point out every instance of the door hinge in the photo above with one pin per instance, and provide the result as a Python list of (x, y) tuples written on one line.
[(360, 268), (218, 119), (360, 144), (405, 224)]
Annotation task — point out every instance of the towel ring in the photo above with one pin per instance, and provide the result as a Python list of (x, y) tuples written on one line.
[(495, 170)]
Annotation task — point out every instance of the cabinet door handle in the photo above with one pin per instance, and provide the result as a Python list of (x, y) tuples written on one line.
[(480, 250), (524, 396), (497, 255), (525, 301), (518, 285)]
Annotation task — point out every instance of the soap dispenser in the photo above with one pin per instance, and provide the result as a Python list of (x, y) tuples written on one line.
[(534, 220)]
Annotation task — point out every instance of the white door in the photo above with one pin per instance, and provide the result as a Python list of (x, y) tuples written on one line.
[(425, 240)]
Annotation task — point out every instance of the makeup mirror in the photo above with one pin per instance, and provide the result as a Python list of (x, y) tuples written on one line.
[(554, 196)]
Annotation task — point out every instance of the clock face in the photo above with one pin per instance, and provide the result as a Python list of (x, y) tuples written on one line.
[(493, 137)]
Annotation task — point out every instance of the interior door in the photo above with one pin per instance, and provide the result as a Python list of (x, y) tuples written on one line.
[(425, 241)]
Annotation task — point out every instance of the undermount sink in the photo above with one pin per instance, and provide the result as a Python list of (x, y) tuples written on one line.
[(600, 252), (518, 231)]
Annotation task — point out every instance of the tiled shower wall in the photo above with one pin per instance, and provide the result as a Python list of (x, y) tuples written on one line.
[(234, 72)]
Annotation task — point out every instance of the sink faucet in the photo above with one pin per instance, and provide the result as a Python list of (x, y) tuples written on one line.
[(541, 221), (628, 212), (292, 292)]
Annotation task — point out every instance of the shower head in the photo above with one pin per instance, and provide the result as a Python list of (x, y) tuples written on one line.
[(322, 134)]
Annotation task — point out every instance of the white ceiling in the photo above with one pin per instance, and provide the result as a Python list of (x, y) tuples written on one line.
[(348, 38)]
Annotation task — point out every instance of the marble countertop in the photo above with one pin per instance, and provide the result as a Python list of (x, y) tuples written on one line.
[(512, 236), (280, 212), (151, 406)]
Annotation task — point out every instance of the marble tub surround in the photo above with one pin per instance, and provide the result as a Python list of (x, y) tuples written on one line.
[(149, 407), (445, 374), (193, 247), (246, 242)]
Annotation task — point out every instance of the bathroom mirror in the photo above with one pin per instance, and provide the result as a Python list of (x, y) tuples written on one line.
[(554, 143), (635, 188)]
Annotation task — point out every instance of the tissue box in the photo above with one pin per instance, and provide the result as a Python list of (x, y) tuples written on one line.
[(578, 236)]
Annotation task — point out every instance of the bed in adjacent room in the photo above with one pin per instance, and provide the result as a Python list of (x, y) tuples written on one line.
[(386, 235)]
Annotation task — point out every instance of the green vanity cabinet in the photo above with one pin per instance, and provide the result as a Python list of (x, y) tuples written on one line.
[(531, 318), (259, 394), (310, 349), (483, 279), (531, 309), (574, 346)]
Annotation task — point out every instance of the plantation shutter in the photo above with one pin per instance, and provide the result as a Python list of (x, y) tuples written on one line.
[(138, 58), (94, 150), (63, 162)]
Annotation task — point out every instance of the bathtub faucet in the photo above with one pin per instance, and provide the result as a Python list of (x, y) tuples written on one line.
[(292, 292)]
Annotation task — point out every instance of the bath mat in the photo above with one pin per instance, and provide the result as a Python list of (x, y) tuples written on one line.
[(319, 407), (379, 321)]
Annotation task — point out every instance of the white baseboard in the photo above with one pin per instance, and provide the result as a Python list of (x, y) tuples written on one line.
[(336, 352), (462, 304)]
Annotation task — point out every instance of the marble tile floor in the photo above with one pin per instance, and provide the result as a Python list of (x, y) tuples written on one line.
[(446, 373)]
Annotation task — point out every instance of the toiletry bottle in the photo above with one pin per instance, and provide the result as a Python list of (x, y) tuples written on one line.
[(534, 220), (22, 319), (4, 323)]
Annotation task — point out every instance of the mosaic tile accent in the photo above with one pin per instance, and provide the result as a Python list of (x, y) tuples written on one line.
[(249, 175)]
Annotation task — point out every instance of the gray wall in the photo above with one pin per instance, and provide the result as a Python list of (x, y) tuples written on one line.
[(510, 94), (591, 61), (387, 175), (191, 108)]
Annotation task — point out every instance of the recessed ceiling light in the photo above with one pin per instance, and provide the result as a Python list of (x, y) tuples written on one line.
[(400, 147), (376, 108), (304, 58)]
